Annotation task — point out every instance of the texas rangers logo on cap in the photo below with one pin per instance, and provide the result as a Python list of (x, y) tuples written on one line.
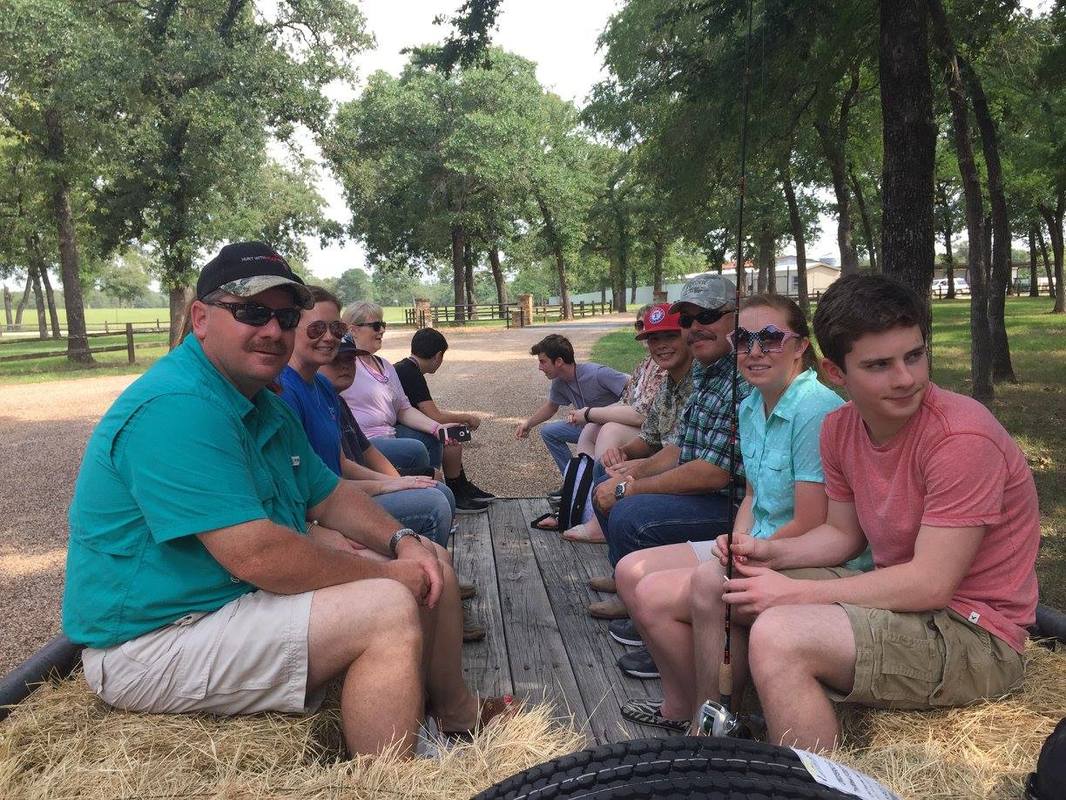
[(657, 315)]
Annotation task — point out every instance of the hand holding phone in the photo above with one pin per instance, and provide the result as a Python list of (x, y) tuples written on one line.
[(455, 433)]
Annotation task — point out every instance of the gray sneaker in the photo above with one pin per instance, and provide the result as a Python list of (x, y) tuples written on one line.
[(624, 631), (638, 664)]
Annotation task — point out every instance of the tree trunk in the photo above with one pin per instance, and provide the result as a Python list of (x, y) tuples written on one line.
[(740, 276), (633, 283), (796, 224), (622, 247), (767, 263), (38, 294), (7, 307), (77, 342), (999, 266), (981, 349), (497, 276), (21, 308), (33, 248), (909, 134), (618, 279), (834, 155), (947, 228), (468, 274), (564, 289), (657, 267), (864, 217), (1048, 269), (50, 300), (1034, 290), (459, 272), (556, 246), (1053, 218), (179, 298)]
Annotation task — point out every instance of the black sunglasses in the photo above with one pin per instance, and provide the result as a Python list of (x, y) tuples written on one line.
[(377, 325), (258, 315), (318, 328), (708, 316)]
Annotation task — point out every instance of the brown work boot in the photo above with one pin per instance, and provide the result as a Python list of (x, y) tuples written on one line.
[(466, 590), (609, 609), (603, 583), (473, 631)]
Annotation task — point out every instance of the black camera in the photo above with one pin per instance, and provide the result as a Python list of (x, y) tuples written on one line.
[(457, 433)]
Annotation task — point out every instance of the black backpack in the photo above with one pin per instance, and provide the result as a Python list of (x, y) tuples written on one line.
[(1049, 780), (577, 481)]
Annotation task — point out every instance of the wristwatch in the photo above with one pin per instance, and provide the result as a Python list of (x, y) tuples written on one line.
[(620, 490), (400, 534)]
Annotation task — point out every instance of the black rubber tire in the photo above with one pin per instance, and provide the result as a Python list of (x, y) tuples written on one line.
[(676, 767), (59, 657)]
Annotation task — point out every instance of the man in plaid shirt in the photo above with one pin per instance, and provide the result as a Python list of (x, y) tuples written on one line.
[(681, 493)]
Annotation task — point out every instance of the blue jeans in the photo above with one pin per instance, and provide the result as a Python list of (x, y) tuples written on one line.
[(403, 453), (432, 443), (556, 436), (428, 512), (651, 520)]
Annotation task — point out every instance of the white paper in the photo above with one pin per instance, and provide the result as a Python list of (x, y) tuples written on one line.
[(844, 779)]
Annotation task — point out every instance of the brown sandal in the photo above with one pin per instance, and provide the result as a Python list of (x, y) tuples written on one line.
[(489, 710)]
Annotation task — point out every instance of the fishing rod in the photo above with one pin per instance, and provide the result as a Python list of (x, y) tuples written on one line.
[(718, 718)]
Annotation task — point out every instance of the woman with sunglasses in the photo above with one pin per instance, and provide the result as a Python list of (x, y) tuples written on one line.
[(419, 502), (780, 422), (406, 436)]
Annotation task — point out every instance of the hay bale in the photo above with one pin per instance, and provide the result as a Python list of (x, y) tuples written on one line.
[(64, 743), (982, 751)]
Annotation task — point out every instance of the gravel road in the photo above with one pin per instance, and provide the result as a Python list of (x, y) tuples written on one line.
[(44, 428)]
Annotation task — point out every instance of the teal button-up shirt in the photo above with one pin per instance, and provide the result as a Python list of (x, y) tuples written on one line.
[(782, 448), (180, 452)]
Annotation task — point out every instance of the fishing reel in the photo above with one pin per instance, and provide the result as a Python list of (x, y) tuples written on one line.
[(717, 720)]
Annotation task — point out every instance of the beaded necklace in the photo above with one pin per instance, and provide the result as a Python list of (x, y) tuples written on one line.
[(377, 372)]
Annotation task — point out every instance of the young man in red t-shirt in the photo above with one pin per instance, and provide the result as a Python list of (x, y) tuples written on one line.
[(947, 503)]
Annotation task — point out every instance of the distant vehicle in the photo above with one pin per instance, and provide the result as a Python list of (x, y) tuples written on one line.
[(940, 287)]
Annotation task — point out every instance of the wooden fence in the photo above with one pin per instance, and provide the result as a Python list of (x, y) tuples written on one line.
[(509, 313), (130, 346)]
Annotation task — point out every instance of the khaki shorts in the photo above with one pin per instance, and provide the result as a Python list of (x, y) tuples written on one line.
[(246, 657), (922, 659)]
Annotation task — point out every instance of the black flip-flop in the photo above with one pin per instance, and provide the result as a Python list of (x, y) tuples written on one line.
[(535, 524)]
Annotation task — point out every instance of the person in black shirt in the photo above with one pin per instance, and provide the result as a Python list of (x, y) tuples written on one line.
[(427, 354)]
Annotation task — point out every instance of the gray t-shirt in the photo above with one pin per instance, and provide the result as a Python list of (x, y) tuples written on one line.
[(594, 385)]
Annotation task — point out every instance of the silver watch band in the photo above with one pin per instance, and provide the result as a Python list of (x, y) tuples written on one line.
[(394, 541)]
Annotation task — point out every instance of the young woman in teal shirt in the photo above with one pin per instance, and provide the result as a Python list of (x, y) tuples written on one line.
[(780, 422)]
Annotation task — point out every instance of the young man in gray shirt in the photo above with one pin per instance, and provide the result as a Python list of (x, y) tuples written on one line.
[(585, 385)]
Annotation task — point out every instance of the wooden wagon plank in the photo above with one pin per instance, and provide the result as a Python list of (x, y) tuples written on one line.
[(540, 665), (485, 665), (566, 568)]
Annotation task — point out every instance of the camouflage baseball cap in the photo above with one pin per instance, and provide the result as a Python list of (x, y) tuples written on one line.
[(245, 269), (707, 291)]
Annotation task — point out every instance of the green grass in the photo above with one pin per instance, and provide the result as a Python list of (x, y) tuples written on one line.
[(1033, 410)]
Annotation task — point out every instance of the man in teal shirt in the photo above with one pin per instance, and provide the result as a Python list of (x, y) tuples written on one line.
[(194, 577)]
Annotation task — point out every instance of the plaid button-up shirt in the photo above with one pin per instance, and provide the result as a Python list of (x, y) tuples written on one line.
[(662, 424), (707, 425)]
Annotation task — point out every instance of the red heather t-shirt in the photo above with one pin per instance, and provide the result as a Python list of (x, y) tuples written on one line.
[(951, 466)]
